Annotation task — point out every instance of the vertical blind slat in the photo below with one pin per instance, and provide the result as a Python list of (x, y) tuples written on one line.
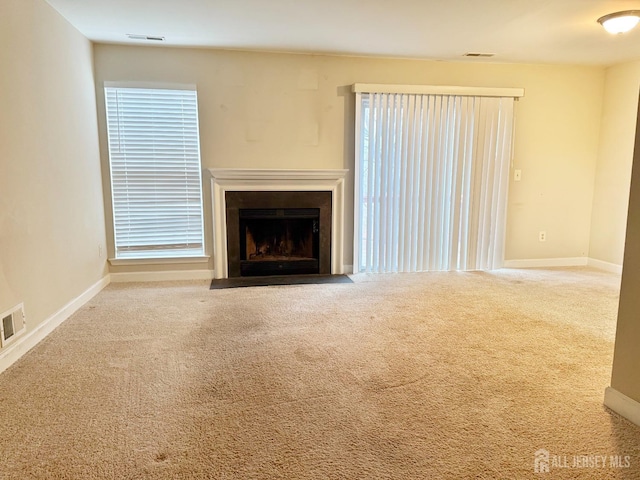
[(377, 198)]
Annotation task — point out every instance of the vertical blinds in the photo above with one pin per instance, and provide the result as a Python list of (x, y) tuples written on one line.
[(156, 185), (432, 182)]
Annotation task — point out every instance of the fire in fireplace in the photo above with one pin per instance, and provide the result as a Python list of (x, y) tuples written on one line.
[(278, 233)]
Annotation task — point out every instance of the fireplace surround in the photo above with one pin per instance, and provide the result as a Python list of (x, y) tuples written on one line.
[(305, 181), (278, 233)]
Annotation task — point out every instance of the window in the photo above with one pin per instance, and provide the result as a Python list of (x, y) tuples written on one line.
[(431, 181), (156, 183)]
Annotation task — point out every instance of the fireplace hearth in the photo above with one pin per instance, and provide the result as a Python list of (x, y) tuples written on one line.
[(278, 233)]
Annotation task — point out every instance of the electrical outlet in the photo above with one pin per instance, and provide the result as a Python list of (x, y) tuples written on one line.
[(100, 250), (542, 236)]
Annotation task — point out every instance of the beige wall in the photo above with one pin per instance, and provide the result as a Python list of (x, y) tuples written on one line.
[(51, 209), (626, 359), (297, 111), (611, 191)]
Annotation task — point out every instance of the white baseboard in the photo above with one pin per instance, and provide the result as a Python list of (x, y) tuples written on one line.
[(622, 405), (563, 262), (606, 266), (547, 262), (162, 276), (33, 337)]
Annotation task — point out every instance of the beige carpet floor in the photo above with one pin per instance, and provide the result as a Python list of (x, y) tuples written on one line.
[(440, 375)]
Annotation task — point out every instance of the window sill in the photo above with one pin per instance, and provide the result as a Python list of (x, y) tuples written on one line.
[(159, 260)]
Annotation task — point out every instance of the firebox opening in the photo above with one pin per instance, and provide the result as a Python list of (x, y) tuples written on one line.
[(267, 240), (279, 241)]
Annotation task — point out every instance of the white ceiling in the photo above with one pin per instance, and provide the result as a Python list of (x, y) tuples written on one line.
[(524, 31)]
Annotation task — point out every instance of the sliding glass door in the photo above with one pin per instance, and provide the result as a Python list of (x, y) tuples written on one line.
[(431, 181)]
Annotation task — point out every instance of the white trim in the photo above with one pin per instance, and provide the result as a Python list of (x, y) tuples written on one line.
[(438, 90), (546, 262), (163, 276), (622, 405), (606, 266), (273, 180), (563, 262), (247, 175), (32, 338), (151, 85), (158, 260)]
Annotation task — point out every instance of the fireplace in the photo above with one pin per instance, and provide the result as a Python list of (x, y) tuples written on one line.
[(278, 233), (303, 181)]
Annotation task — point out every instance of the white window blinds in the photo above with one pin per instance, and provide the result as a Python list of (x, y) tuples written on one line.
[(156, 185), (431, 181)]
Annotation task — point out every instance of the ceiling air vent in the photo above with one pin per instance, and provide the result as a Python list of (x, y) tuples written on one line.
[(155, 38), (478, 54)]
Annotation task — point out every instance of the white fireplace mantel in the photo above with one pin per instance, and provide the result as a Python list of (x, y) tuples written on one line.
[(243, 179)]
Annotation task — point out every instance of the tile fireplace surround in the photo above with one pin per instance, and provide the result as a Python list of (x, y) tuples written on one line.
[(240, 179)]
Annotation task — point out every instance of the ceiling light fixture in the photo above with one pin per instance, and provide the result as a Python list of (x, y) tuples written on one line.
[(620, 22)]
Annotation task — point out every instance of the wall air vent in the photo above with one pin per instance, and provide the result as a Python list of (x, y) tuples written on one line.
[(155, 38), (13, 325), (478, 54)]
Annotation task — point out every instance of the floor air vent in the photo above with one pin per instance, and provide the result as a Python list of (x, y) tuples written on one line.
[(13, 325)]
